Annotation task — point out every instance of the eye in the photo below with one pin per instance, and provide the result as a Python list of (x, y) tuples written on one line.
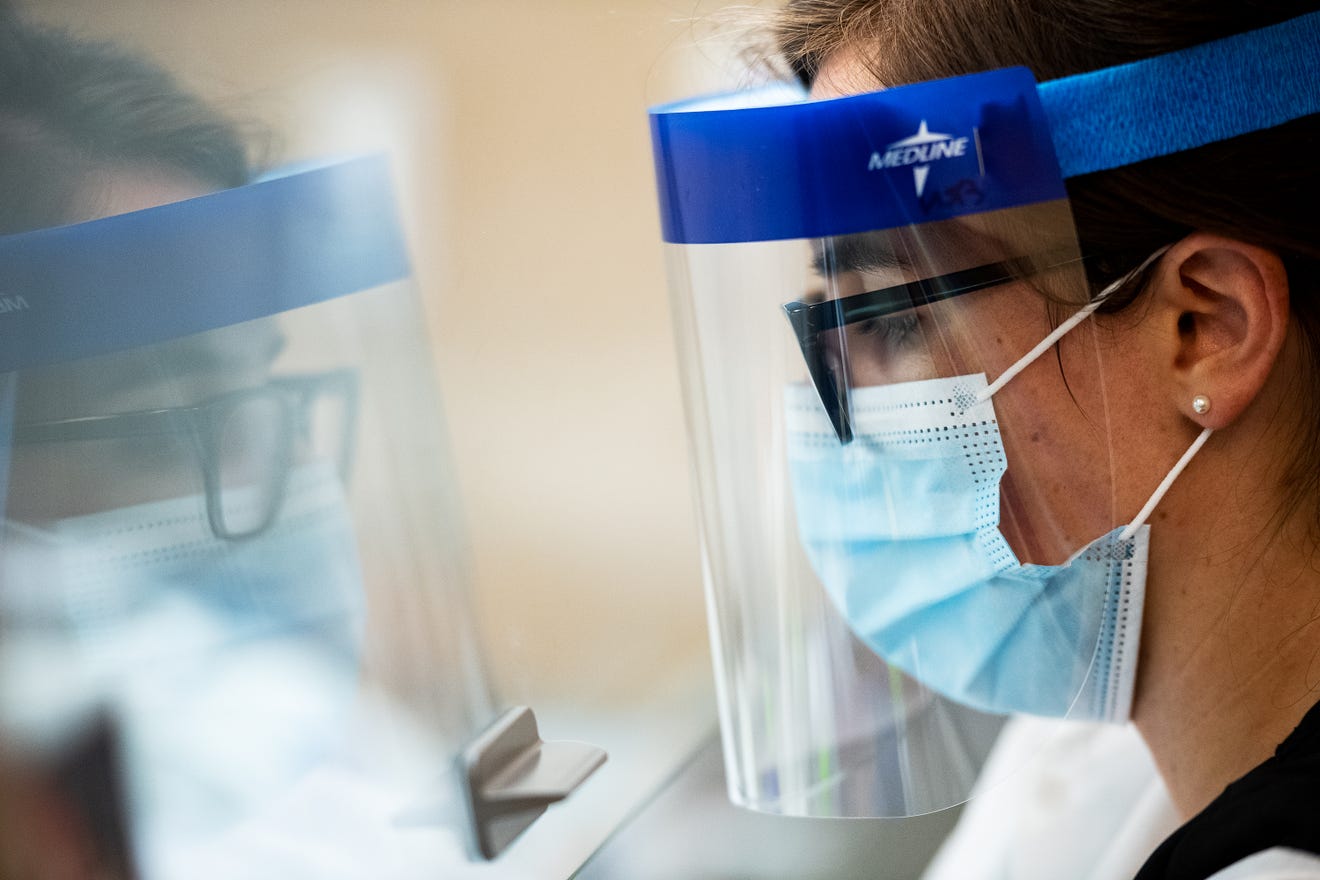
[(891, 329)]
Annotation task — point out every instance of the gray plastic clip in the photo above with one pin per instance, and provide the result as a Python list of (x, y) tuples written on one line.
[(511, 776)]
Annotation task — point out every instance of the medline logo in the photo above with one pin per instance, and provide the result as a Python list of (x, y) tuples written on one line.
[(13, 304), (920, 150)]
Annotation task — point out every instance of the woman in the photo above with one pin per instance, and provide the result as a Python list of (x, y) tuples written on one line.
[(87, 130), (1043, 415), (1223, 333), (183, 606)]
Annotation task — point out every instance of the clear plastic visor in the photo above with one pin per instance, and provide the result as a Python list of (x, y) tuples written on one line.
[(860, 478), (210, 554), (233, 600)]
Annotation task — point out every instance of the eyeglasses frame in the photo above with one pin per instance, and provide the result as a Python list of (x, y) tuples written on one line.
[(204, 421), (809, 320)]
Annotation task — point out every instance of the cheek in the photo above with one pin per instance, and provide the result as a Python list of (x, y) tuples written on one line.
[(1057, 493), (985, 332), (1147, 431), (55, 481)]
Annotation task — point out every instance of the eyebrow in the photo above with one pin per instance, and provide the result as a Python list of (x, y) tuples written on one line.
[(211, 354), (182, 358), (857, 253)]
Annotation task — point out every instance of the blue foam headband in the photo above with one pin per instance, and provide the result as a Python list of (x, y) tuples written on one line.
[(1207, 93), (149, 276), (935, 150)]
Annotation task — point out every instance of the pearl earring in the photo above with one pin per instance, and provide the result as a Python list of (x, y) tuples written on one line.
[(1201, 404)]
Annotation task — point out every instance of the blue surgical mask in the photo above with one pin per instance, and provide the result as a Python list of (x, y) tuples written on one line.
[(902, 527), (231, 668)]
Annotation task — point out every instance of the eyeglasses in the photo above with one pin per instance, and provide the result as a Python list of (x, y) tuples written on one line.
[(246, 441), (812, 322)]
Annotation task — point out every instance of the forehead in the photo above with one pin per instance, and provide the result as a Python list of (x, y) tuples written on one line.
[(121, 190), (174, 373), (844, 73)]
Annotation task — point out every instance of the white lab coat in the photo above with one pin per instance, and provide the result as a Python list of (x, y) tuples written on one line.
[(1065, 799)]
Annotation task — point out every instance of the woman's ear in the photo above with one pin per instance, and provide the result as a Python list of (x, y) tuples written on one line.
[(1221, 308)]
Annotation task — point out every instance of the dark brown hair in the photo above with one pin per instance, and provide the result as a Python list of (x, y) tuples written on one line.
[(1260, 188), (70, 108)]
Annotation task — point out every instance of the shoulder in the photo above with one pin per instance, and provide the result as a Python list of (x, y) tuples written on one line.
[(1059, 799), (1278, 863)]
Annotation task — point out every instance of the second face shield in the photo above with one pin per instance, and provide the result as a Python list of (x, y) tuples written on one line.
[(894, 556), (233, 600)]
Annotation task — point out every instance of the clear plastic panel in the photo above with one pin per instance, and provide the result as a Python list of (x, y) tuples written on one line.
[(815, 722), (239, 551)]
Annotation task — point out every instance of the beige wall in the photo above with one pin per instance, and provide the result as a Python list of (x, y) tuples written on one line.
[(522, 151)]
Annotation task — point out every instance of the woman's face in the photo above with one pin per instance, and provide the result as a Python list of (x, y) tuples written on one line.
[(1066, 417)]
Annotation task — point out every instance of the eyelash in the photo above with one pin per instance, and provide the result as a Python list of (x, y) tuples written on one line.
[(891, 329)]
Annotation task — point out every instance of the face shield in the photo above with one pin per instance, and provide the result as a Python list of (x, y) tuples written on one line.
[(228, 553), (896, 399)]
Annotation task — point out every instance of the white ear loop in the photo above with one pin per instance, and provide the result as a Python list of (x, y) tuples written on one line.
[(1165, 485), (1059, 332)]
